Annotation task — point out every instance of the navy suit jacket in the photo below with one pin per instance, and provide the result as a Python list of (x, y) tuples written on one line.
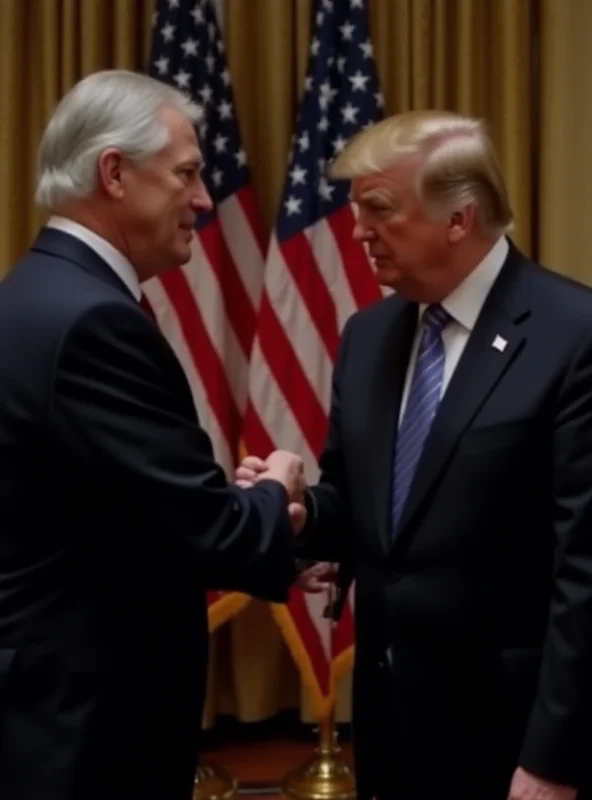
[(115, 519), (474, 621)]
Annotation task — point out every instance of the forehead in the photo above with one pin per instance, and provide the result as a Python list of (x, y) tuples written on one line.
[(398, 179)]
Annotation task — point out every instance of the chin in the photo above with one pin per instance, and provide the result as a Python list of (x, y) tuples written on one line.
[(182, 254), (389, 277)]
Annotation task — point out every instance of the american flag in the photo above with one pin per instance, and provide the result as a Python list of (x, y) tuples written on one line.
[(316, 276), (207, 308)]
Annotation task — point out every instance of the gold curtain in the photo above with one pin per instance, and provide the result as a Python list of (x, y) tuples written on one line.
[(564, 119), (470, 55), (45, 47)]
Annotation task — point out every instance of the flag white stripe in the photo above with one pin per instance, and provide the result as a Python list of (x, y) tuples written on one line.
[(208, 295), (169, 324), (326, 252), (243, 246), (294, 317), (316, 604), (275, 413)]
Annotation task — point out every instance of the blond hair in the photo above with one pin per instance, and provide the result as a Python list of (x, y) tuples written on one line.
[(458, 164)]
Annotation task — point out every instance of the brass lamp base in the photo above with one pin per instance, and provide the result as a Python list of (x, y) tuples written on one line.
[(326, 776), (214, 783)]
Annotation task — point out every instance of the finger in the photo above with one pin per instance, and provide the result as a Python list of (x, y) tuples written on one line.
[(244, 484), (296, 510), (313, 587), (297, 514), (255, 463), (326, 569), (320, 586), (309, 580), (245, 474)]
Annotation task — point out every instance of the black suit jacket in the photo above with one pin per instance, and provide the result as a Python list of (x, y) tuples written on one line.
[(474, 623), (115, 519)]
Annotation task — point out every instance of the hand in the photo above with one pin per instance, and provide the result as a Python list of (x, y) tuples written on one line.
[(525, 786), (318, 578), (253, 469), (282, 466), (287, 468), (297, 514), (249, 470)]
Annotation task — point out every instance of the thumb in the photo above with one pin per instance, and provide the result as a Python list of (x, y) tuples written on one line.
[(255, 463), (297, 514)]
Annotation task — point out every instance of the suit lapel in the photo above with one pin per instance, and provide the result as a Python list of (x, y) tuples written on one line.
[(479, 370), (386, 393)]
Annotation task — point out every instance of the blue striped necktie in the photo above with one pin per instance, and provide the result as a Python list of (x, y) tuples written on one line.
[(422, 404)]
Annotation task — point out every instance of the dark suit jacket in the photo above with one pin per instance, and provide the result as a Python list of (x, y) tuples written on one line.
[(474, 624), (114, 521)]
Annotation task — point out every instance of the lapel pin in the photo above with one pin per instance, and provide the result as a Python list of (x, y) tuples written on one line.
[(499, 344)]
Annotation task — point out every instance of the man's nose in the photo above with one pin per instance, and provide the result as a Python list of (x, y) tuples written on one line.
[(201, 199), (361, 233)]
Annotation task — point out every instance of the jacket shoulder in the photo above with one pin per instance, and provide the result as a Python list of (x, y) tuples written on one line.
[(54, 293), (570, 299), (379, 312)]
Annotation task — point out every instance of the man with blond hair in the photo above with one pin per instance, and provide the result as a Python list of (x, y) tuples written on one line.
[(456, 482)]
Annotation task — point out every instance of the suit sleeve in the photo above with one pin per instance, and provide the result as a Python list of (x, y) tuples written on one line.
[(558, 739), (121, 406), (327, 536)]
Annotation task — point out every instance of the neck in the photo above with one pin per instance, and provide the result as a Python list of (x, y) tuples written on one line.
[(473, 252), (465, 258), (96, 220)]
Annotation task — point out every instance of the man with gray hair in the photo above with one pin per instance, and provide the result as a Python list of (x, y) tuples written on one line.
[(115, 516), (456, 483)]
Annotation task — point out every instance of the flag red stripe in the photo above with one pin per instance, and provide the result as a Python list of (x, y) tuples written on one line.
[(205, 356), (309, 633), (315, 293), (248, 203), (237, 303), (343, 632), (290, 377), (256, 439)]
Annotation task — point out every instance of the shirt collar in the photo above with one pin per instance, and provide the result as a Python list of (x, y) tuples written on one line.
[(122, 267), (464, 303)]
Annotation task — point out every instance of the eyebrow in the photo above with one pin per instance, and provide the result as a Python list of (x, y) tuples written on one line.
[(370, 194), (196, 163)]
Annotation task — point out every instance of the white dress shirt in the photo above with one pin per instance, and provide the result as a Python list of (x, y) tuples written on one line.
[(116, 260), (464, 305)]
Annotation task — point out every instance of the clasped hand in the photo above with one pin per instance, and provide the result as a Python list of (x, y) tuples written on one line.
[(289, 470), (282, 466)]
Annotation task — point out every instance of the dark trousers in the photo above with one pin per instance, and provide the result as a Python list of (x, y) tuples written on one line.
[(420, 735)]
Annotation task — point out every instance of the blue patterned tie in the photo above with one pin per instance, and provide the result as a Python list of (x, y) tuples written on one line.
[(422, 404)]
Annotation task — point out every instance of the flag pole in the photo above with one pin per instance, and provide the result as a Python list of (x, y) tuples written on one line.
[(214, 783), (326, 775)]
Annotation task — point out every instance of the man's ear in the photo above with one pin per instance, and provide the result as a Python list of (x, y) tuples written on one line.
[(460, 223), (110, 167)]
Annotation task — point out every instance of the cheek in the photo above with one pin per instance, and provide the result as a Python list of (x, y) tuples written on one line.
[(180, 200), (392, 234)]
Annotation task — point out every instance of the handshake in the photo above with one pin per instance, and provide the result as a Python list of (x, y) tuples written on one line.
[(288, 469), (281, 466)]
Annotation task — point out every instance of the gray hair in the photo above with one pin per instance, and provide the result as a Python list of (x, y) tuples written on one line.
[(111, 108)]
